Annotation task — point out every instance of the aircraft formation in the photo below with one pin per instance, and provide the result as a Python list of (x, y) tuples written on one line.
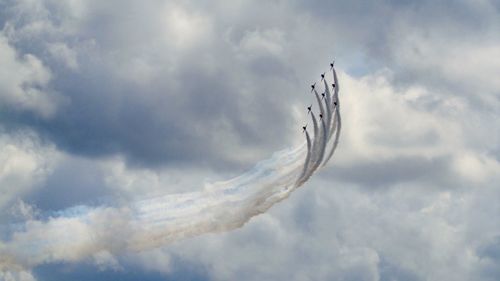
[(319, 148), (313, 88)]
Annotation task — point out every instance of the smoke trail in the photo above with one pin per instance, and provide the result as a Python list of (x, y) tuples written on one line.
[(81, 232), (321, 139), (338, 126), (338, 119), (328, 102), (308, 157), (322, 146), (328, 94), (316, 138), (320, 104)]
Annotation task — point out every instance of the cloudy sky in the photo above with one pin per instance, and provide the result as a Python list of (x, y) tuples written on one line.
[(124, 99)]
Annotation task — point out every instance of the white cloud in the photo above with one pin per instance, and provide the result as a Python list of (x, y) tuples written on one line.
[(390, 135), (269, 42), (105, 260), (185, 28), (139, 182), (24, 163), (463, 63), (24, 211), (16, 276), (64, 54), (23, 82), (381, 121)]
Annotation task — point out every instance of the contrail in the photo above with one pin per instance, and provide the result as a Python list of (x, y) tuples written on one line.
[(81, 232)]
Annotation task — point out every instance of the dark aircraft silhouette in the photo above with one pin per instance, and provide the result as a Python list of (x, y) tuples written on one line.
[(304, 129), (331, 65), (309, 109), (323, 95), (320, 116), (322, 76), (335, 103), (312, 87), (333, 85)]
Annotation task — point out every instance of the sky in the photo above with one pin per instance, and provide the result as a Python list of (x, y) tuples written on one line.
[(121, 100)]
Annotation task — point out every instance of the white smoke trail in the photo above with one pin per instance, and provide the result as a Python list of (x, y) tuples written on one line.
[(308, 158), (322, 146), (319, 150), (320, 104), (333, 123), (83, 232), (337, 118), (337, 128), (328, 102)]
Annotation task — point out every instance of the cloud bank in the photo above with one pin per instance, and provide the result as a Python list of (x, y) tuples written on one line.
[(131, 98)]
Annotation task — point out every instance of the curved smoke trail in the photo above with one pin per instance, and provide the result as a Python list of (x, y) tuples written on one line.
[(308, 157), (328, 102), (338, 119), (316, 140), (82, 232), (318, 100), (322, 148)]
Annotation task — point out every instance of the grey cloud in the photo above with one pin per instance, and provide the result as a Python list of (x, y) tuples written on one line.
[(389, 172), (443, 45), (229, 97), (392, 271), (86, 271), (178, 114), (73, 182), (138, 94)]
